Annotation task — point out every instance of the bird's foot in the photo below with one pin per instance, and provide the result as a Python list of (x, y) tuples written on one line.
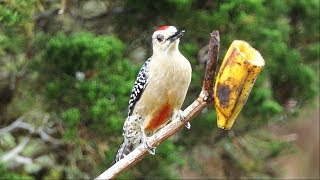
[(179, 115), (150, 149)]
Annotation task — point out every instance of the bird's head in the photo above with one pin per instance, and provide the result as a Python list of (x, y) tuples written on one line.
[(166, 39)]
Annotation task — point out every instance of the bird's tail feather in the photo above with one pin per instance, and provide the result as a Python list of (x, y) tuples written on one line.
[(124, 149)]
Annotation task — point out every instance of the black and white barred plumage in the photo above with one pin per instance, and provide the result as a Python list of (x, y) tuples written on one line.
[(132, 124), (139, 86), (131, 137)]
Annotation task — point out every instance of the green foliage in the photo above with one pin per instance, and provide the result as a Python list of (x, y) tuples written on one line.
[(71, 117), (6, 174), (87, 82), (181, 4), (85, 79), (82, 71), (15, 25), (16, 28), (81, 52)]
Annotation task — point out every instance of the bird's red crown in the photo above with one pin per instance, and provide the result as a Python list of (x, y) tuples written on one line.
[(162, 28)]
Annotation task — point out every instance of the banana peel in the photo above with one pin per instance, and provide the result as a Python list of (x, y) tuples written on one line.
[(235, 79)]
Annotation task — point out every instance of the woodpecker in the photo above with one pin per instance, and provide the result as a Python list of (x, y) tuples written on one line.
[(158, 92)]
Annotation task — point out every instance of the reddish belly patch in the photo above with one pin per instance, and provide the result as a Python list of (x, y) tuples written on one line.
[(159, 118)]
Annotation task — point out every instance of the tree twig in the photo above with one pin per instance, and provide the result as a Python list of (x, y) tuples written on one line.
[(14, 152), (204, 99), (44, 135), (17, 124)]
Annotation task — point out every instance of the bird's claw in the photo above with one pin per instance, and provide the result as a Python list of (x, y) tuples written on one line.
[(150, 149), (179, 115), (188, 125)]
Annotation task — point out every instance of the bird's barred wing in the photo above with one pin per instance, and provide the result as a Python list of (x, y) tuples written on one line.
[(139, 86)]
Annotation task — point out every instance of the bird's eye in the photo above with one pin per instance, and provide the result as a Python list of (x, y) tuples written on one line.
[(160, 38)]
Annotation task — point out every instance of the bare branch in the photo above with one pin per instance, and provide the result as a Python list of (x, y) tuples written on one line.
[(14, 152), (46, 137), (17, 124), (212, 63), (22, 160), (204, 99), (19, 160)]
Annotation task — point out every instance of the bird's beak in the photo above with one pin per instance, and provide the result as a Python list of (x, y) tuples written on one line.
[(176, 35)]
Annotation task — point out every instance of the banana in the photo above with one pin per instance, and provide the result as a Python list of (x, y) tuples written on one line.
[(237, 74)]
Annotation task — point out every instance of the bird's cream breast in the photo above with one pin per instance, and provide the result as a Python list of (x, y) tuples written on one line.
[(167, 87), (172, 77)]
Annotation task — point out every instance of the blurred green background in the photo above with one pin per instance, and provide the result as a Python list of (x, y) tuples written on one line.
[(67, 68)]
